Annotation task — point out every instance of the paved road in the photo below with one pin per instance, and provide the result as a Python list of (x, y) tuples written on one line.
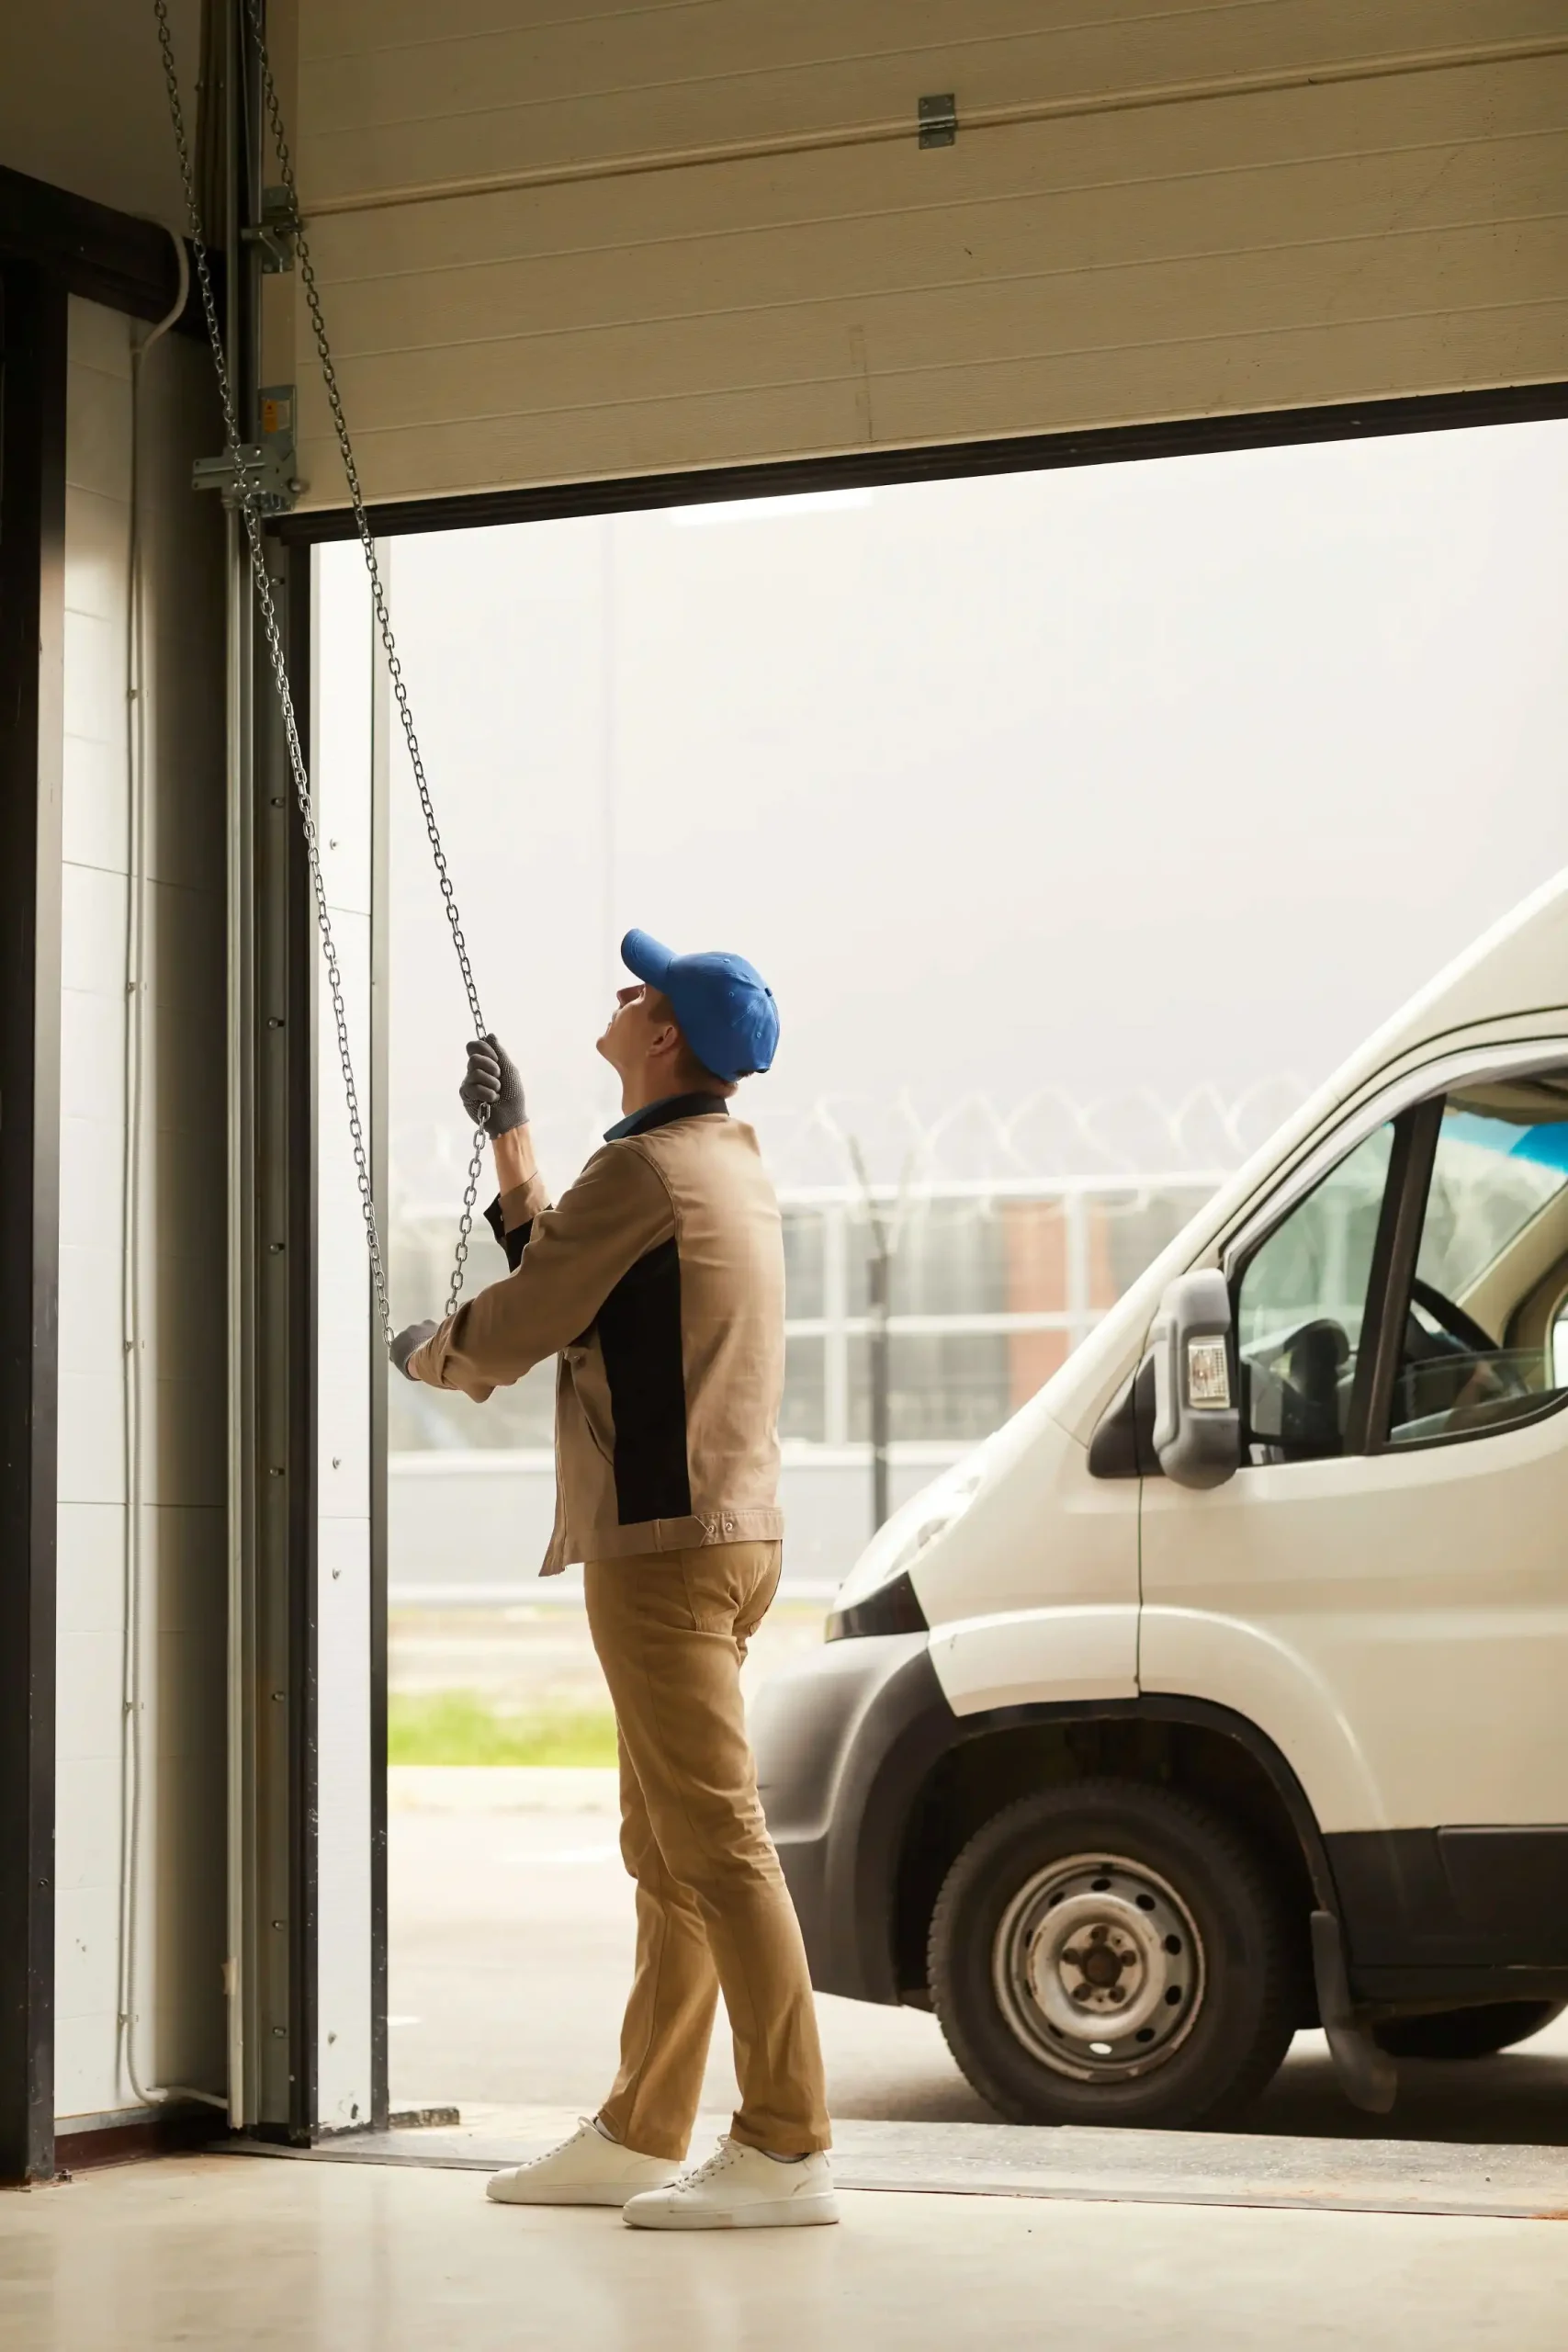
[(537, 1654), (512, 1932)]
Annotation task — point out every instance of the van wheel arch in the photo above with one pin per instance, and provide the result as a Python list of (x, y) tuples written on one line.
[(1191, 1746)]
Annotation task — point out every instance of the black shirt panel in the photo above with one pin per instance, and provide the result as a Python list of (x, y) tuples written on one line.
[(639, 1334), (515, 1242)]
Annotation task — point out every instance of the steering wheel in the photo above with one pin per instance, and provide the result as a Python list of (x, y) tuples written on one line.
[(1454, 1319), (1492, 1367)]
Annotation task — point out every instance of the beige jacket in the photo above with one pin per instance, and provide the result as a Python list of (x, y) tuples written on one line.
[(657, 1280)]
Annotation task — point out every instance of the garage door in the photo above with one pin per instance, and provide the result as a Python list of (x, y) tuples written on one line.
[(562, 239)]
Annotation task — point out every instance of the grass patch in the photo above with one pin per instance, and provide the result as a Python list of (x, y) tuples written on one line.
[(459, 1727)]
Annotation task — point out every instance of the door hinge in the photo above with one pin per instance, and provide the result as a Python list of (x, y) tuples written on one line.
[(937, 119), (275, 232), (264, 480)]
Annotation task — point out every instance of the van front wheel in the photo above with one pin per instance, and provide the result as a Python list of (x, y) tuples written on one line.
[(1110, 1953)]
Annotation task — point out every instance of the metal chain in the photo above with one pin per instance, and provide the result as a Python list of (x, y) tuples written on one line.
[(262, 585), (378, 597)]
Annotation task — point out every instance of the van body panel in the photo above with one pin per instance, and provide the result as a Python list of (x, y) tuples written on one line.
[(1423, 1597), (1027, 1655), (1040, 1534), (1254, 1670)]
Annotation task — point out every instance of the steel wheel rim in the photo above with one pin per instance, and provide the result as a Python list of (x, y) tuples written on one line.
[(1099, 1968)]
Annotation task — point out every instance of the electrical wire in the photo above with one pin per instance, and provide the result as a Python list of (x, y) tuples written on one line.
[(132, 1706)]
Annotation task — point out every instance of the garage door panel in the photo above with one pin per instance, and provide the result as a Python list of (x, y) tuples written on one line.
[(1000, 241), (655, 437), (1115, 267), (1207, 298), (455, 103), (1121, 385), (1090, 157), (1087, 389)]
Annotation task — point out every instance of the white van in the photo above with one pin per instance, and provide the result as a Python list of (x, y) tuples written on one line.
[(1224, 1691)]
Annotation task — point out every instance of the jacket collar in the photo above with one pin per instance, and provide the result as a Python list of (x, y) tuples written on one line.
[(659, 1114)]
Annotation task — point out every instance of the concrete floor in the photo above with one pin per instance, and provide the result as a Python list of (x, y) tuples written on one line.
[(510, 1948), (511, 1955), (226, 2252)]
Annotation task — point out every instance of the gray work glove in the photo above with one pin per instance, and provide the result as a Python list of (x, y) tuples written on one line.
[(493, 1083), (409, 1343)]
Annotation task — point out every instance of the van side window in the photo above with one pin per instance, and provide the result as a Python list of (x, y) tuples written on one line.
[(1300, 1308), (1485, 1337)]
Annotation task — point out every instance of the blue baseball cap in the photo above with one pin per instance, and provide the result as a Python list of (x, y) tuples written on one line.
[(724, 1007)]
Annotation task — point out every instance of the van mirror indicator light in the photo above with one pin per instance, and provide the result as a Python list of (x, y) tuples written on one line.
[(1208, 1375), (1197, 1430)]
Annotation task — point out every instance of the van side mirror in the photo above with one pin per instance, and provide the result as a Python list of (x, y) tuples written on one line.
[(1197, 1432)]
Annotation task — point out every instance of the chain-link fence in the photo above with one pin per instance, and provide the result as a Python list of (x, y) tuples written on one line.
[(1012, 1232)]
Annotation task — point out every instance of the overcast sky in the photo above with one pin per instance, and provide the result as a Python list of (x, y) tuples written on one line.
[(1139, 777)]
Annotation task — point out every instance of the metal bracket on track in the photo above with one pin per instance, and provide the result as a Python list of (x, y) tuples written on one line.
[(264, 480), (275, 232)]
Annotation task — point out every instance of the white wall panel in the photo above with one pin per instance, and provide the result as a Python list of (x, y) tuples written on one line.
[(91, 1466), (93, 931), (343, 669), (92, 1058), (91, 1183), (87, 1794), (556, 244), (87, 1946), (177, 1955), (88, 1583), (89, 1703), (94, 816), (90, 1317), (343, 1766), (90, 1726), (95, 654)]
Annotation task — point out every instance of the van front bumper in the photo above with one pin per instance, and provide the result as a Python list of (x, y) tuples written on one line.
[(844, 1742)]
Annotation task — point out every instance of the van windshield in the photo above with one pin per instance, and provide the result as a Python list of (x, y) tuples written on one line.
[(1491, 1178)]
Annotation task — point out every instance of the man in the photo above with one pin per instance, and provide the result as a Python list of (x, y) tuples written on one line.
[(657, 1280)]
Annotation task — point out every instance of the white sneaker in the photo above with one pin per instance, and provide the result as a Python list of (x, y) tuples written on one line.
[(587, 2169), (740, 2189)]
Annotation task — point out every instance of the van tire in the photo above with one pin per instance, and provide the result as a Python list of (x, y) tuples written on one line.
[(1177, 1860), (1466, 2034)]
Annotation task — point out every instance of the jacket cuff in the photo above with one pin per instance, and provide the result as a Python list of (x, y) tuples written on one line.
[(511, 1215)]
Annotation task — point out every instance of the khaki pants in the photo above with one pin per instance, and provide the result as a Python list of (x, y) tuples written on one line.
[(713, 1911)]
